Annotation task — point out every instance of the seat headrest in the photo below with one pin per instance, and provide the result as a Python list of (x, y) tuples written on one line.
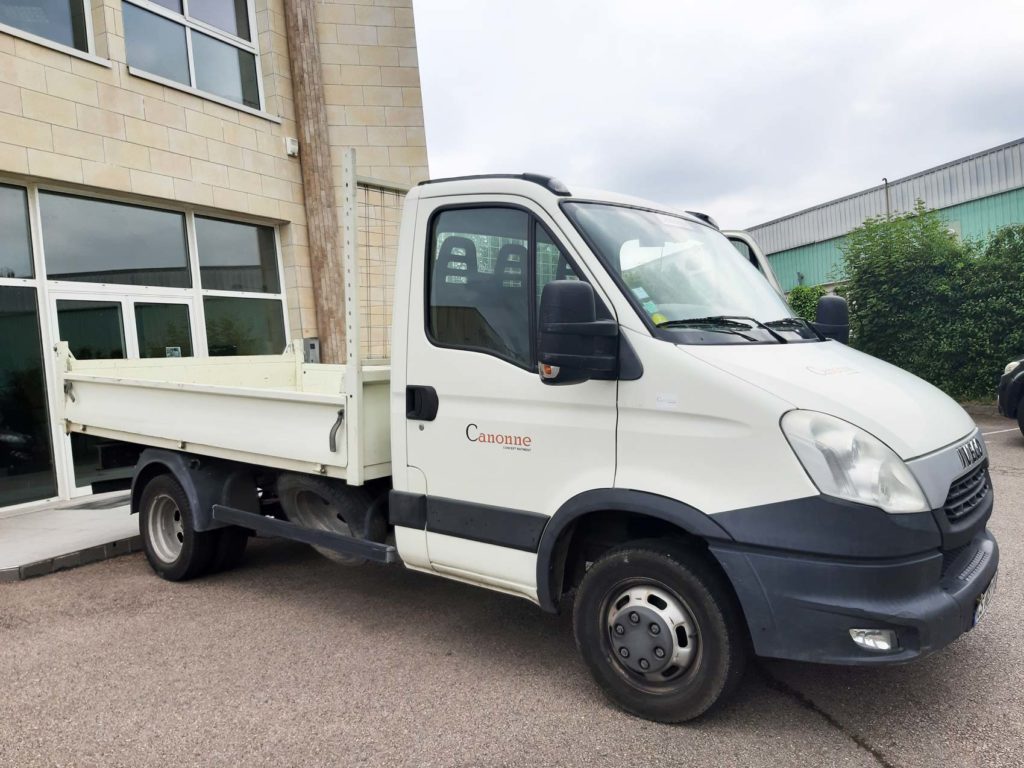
[(508, 269), (456, 258)]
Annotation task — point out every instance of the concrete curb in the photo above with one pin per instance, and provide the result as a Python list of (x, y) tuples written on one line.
[(72, 560)]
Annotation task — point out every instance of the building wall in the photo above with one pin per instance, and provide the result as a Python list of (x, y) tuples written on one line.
[(822, 262), (86, 121), (83, 123)]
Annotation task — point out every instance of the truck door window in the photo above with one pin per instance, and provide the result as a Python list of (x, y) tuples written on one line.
[(551, 263), (479, 281), (483, 280)]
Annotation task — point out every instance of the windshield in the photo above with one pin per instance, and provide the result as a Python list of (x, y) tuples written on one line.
[(678, 271)]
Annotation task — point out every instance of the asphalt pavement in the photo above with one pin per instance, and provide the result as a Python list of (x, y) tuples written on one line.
[(291, 660)]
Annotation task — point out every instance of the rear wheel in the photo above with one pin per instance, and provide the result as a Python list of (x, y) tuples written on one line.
[(320, 504), (1020, 416), (175, 550), (660, 630)]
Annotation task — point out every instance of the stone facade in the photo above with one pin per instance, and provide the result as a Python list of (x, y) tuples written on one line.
[(85, 122)]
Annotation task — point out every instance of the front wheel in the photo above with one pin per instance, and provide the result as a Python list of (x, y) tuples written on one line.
[(1020, 416), (660, 630)]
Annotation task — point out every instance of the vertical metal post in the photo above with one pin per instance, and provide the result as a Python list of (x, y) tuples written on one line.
[(353, 331)]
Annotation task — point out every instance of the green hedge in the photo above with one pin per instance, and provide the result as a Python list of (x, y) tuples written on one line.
[(947, 310), (804, 300)]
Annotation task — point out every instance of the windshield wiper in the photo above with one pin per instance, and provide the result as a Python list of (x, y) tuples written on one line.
[(796, 322), (725, 320)]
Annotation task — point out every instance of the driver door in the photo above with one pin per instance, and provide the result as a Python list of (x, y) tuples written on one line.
[(504, 450)]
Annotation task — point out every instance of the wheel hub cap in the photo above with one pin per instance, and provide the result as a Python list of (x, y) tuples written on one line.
[(652, 633)]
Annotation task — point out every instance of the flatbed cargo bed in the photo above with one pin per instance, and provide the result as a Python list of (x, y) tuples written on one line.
[(269, 410)]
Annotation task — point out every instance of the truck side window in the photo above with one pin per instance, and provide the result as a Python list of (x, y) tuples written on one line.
[(551, 263), (482, 275), (479, 281)]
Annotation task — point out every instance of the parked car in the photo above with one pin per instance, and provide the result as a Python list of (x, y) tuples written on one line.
[(1011, 392)]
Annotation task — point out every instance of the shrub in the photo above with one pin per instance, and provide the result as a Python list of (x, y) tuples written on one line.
[(944, 309), (804, 300)]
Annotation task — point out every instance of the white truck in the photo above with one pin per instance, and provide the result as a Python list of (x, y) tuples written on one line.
[(593, 403)]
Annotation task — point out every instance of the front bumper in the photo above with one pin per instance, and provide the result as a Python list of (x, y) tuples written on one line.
[(802, 607)]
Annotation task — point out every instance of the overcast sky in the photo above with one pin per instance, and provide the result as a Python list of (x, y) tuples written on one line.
[(746, 110)]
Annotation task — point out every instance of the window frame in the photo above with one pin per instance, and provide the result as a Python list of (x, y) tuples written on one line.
[(191, 25), (90, 50), (530, 275)]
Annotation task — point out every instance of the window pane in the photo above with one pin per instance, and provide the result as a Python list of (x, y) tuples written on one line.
[(155, 44), (96, 241), (479, 282), (15, 245), (92, 329), (164, 330), (26, 462), (551, 263), (236, 257), (230, 15), (62, 21), (225, 71), (244, 326), (171, 5)]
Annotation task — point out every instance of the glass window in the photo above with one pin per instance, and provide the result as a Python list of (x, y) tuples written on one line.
[(93, 329), (96, 241), (676, 270), (15, 244), (26, 461), (230, 15), (551, 263), (164, 330), (155, 44), (62, 21), (224, 67), (236, 326), (236, 257), (480, 281), (225, 70)]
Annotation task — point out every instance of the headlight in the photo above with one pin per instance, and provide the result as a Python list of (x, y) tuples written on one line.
[(1011, 367), (846, 462)]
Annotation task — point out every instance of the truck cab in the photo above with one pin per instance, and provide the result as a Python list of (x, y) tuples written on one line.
[(602, 371), (599, 405)]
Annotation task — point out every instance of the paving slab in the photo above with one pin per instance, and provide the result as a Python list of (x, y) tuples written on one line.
[(41, 540)]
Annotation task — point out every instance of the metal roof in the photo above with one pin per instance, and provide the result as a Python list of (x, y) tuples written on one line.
[(982, 174)]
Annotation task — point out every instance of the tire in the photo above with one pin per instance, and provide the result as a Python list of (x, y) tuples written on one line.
[(1020, 416), (315, 502), (175, 550), (700, 634), (231, 544)]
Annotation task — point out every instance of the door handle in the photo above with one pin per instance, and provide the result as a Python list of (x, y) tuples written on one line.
[(420, 402)]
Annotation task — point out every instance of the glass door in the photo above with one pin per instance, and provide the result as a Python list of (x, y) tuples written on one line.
[(26, 459), (100, 326)]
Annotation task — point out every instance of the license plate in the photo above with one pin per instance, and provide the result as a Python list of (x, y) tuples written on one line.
[(984, 600)]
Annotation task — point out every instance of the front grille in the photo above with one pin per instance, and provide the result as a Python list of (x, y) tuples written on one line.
[(967, 492)]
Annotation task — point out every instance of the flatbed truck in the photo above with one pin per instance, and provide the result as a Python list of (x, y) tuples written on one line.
[(596, 404)]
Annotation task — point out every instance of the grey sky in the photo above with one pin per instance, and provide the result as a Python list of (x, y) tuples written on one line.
[(746, 110)]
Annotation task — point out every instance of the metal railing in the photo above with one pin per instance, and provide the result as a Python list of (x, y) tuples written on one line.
[(378, 217)]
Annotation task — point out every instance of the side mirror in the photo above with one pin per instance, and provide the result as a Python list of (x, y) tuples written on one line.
[(833, 318), (573, 345)]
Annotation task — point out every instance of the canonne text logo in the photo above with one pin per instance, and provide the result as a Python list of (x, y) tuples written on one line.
[(510, 442)]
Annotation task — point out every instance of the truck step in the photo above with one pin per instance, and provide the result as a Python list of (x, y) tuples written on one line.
[(282, 529)]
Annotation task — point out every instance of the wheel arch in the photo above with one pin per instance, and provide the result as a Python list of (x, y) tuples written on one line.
[(205, 481), (610, 509)]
